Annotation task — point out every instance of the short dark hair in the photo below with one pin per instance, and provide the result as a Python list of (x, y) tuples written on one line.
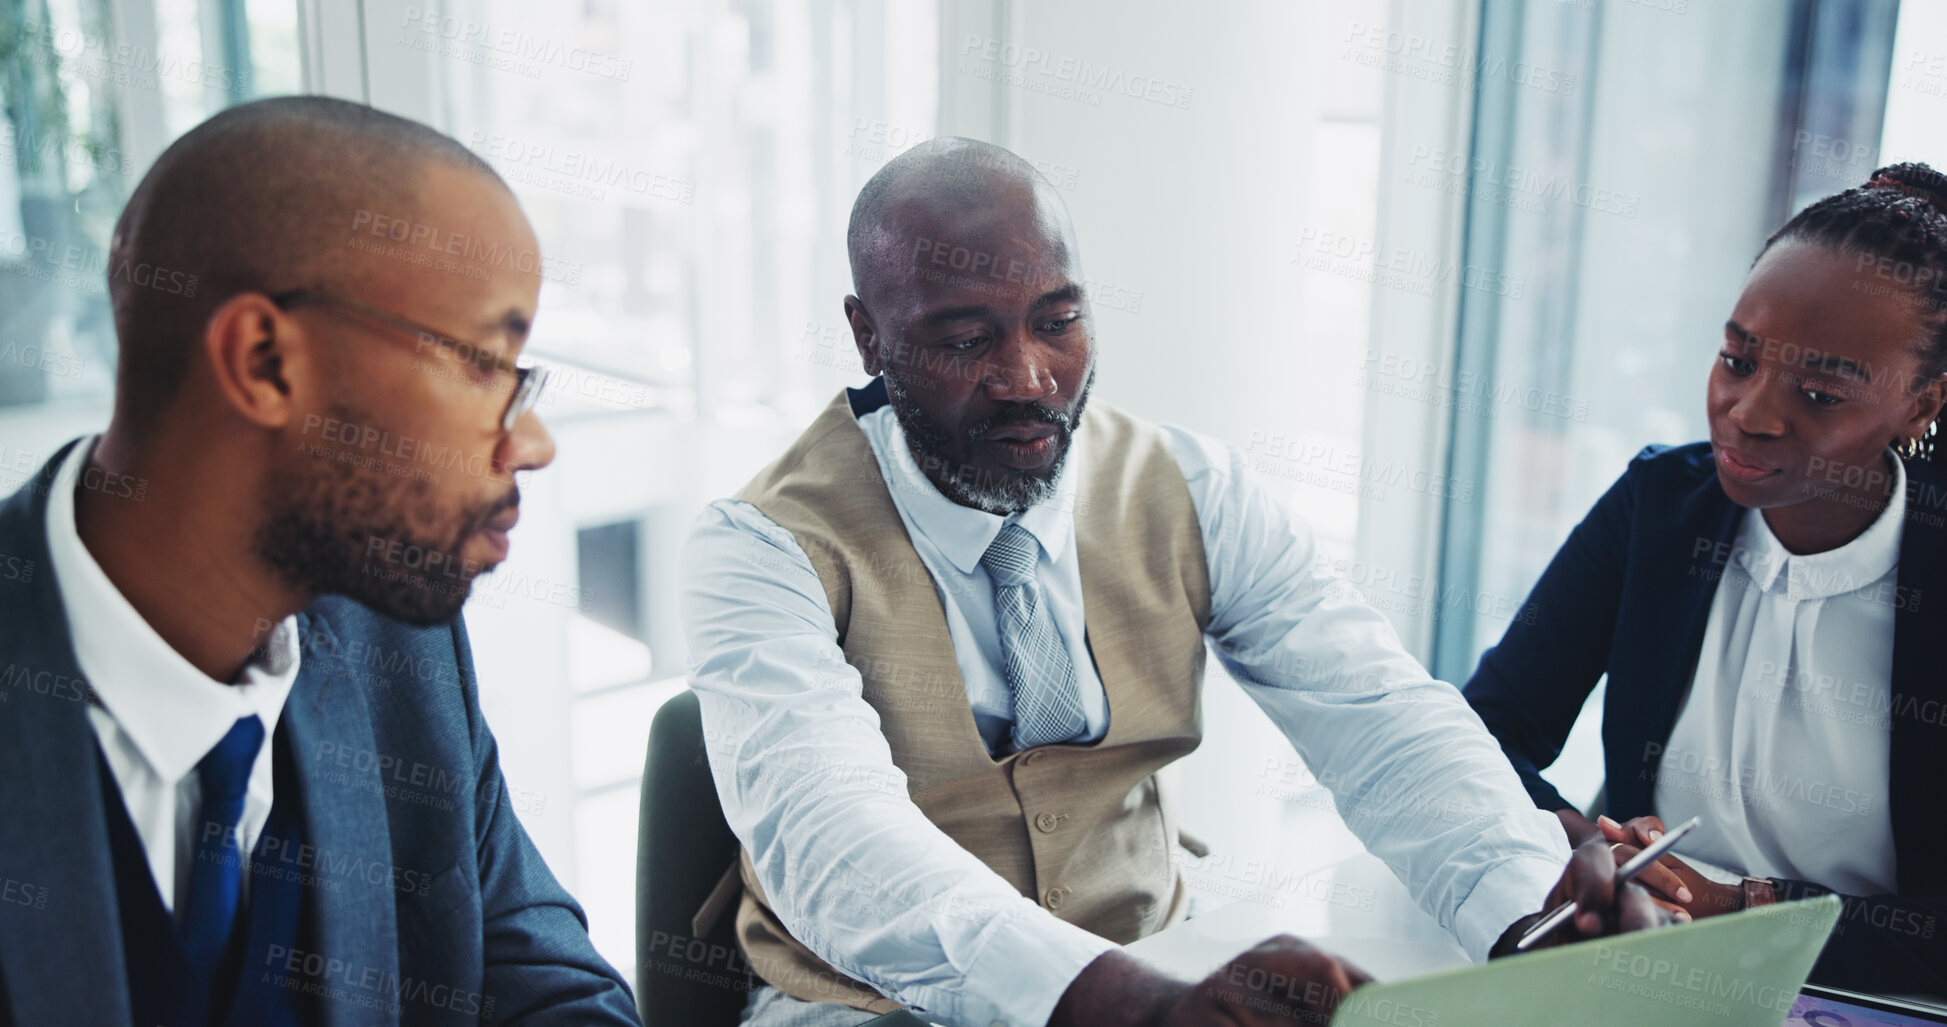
[(259, 197)]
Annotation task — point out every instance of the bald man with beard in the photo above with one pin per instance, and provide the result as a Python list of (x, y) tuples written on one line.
[(945, 643), (245, 773)]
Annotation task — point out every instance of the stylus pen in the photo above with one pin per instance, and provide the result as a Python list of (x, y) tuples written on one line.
[(1560, 914)]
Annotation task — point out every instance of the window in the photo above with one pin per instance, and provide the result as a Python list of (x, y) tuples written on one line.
[(1630, 207), (689, 169), (92, 90)]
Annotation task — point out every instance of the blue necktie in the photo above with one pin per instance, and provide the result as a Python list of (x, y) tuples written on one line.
[(1047, 701), (216, 878)]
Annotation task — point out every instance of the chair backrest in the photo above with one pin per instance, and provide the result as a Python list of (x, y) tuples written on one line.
[(683, 847)]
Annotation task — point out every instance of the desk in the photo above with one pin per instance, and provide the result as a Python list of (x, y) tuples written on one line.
[(1355, 909)]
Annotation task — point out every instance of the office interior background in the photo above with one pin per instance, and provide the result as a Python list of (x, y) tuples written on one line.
[(1438, 267)]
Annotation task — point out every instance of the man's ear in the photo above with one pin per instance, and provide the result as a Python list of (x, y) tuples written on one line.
[(864, 336), (254, 350), (1930, 397)]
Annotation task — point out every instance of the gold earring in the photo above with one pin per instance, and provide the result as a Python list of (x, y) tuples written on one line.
[(1910, 448)]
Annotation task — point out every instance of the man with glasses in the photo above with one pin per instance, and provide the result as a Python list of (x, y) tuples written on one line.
[(242, 759)]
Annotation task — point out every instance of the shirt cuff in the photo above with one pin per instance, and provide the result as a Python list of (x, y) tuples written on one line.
[(1506, 893), (1023, 967)]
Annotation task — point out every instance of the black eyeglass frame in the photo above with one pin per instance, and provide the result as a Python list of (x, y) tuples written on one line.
[(529, 379)]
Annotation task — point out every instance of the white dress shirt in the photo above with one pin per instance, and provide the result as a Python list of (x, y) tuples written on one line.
[(158, 716), (1783, 741), (1416, 775)]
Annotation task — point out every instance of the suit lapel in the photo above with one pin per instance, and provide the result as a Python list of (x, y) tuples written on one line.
[(60, 935), (330, 727), (1687, 554), (1919, 693)]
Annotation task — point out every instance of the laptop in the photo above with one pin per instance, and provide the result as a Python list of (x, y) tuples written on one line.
[(1737, 970)]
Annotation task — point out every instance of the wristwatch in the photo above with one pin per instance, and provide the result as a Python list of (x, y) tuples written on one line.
[(1758, 891)]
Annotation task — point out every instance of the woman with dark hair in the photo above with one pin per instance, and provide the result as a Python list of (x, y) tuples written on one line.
[(1764, 605)]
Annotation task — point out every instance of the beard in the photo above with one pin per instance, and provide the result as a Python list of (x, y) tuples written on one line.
[(337, 527), (948, 461)]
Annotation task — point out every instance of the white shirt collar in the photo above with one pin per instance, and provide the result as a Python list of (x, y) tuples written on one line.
[(963, 533), (1853, 566), (170, 710)]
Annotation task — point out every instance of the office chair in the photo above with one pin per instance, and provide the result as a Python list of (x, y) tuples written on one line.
[(683, 846)]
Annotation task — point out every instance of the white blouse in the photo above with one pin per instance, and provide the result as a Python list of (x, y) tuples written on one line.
[(1783, 741)]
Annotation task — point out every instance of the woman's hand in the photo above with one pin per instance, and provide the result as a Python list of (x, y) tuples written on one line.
[(1673, 884)]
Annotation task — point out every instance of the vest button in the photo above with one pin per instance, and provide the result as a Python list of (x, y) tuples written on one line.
[(1032, 757), (1045, 821), (1053, 898)]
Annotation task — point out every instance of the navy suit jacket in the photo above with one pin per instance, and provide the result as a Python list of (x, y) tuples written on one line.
[(428, 902), (1629, 595)]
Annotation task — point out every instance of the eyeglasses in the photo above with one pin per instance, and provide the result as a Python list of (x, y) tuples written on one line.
[(529, 379)]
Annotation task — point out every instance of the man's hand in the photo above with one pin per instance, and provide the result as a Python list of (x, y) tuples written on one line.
[(1282, 981), (1676, 885), (1603, 909)]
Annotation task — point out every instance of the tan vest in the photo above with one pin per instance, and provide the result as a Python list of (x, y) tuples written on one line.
[(1083, 829)]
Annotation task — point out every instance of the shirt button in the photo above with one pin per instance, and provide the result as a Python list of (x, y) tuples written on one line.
[(1045, 821), (1053, 898)]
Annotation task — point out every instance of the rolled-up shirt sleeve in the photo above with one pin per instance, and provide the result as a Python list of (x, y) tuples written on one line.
[(850, 865), (1410, 766)]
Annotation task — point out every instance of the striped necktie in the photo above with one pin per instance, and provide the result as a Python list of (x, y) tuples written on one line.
[(1047, 701)]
